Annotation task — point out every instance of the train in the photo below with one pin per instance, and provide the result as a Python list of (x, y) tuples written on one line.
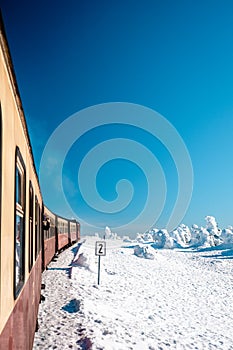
[(30, 234)]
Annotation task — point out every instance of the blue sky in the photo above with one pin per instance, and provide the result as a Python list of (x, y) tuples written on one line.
[(174, 57)]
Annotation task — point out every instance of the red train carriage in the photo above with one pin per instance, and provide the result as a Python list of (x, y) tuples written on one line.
[(49, 246), (62, 233), (74, 231), (58, 233), (78, 231)]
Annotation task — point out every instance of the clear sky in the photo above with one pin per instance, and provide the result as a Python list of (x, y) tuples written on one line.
[(174, 57)]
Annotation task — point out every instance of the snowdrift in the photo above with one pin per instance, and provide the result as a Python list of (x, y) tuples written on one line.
[(144, 252)]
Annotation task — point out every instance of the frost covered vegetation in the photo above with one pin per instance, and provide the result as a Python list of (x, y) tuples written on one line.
[(184, 237)]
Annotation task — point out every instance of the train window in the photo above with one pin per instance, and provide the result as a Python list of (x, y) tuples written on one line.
[(72, 227), (52, 227), (60, 227), (36, 228), (39, 228), (66, 228), (78, 231), (31, 240), (19, 241), (18, 187)]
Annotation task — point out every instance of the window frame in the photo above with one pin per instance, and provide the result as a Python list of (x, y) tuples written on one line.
[(30, 227), (20, 211), (37, 227)]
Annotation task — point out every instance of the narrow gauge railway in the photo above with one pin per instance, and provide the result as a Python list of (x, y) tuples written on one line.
[(30, 234)]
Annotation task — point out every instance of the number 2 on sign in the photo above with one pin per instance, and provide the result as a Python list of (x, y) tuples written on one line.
[(100, 248)]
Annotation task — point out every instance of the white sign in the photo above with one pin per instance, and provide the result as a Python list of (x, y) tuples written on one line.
[(100, 248)]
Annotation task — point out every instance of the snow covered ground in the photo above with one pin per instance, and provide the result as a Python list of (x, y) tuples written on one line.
[(180, 299)]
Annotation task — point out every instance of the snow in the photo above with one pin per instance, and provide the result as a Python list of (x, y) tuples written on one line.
[(182, 298), (184, 237), (145, 252), (109, 234)]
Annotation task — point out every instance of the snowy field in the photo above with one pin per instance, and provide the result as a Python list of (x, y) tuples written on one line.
[(180, 298)]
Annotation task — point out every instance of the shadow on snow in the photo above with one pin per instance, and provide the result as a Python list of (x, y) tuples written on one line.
[(68, 270)]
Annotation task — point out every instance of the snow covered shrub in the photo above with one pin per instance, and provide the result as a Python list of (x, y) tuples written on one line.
[(109, 234), (153, 232), (126, 239), (147, 237), (185, 233), (206, 239), (214, 232), (144, 252), (144, 237), (196, 235), (202, 237), (139, 238), (211, 224), (209, 236), (227, 236), (162, 239), (182, 235)]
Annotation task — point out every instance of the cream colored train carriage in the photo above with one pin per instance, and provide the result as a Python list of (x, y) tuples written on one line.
[(27, 242), (21, 207)]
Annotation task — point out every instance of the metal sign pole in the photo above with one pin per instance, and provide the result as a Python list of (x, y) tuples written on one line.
[(99, 270), (100, 249)]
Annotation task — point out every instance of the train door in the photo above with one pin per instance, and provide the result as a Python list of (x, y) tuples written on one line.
[(42, 239)]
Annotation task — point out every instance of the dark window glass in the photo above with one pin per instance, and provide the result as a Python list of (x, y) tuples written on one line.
[(36, 229), (52, 227), (66, 228), (39, 228), (60, 227), (18, 187), (73, 228)]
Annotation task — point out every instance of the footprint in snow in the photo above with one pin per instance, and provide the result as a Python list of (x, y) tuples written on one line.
[(110, 272)]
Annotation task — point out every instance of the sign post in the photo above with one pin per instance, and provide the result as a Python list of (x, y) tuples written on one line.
[(100, 250)]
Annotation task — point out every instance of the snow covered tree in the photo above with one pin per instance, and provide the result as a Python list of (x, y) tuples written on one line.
[(181, 235), (162, 239), (227, 235), (214, 232)]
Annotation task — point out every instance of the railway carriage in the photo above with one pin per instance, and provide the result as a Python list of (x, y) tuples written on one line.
[(74, 231), (30, 234), (62, 226), (21, 205), (58, 233), (49, 244)]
